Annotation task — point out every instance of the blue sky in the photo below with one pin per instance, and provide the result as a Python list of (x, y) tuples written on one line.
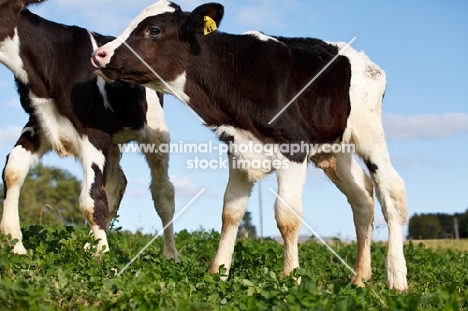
[(422, 46)]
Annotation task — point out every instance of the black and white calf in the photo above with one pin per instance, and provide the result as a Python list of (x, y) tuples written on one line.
[(74, 113), (239, 83)]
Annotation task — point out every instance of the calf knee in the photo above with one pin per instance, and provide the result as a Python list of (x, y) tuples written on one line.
[(288, 223), (12, 176), (233, 217), (16, 168), (398, 196)]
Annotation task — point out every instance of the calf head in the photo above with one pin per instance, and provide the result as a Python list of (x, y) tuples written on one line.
[(157, 44), (10, 10)]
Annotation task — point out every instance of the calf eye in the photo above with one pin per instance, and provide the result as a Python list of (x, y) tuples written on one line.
[(153, 32)]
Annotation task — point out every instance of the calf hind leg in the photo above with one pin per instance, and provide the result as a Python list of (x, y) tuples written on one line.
[(367, 134), (115, 183), (390, 190), (27, 152), (93, 198), (356, 185), (162, 190)]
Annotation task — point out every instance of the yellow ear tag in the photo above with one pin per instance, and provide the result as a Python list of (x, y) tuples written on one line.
[(210, 25)]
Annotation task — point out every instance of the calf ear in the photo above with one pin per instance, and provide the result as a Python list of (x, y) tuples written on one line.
[(196, 19)]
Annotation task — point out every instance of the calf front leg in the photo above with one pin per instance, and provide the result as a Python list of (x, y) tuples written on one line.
[(93, 198), (288, 210), (236, 198), (27, 151)]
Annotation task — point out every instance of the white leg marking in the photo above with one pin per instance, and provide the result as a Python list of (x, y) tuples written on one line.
[(352, 180), (368, 83), (89, 156), (235, 203), (391, 193), (100, 235), (291, 182), (16, 169)]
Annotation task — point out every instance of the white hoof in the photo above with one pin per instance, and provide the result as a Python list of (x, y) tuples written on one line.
[(397, 281), (171, 254), (19, 249), (396, 275), (88, 248), (214, 269)]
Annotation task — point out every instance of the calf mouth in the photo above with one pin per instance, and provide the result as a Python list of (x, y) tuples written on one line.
[(109, 74)]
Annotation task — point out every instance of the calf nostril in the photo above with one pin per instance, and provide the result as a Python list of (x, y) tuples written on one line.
[(97, 58), (100, 54)]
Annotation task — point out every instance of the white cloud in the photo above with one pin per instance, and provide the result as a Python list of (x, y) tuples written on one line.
[(108, 18), (258, 14), (403, 162), (12, 103), (9, 136), (189, 5), (424, 126), (101, 16), (103, 7), (109, 7), (139, 192), (184, 186), (140, 182), (4, 84), (138, 187)]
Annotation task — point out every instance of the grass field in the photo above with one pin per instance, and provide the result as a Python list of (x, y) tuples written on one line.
[(58, 274), (449, 244)]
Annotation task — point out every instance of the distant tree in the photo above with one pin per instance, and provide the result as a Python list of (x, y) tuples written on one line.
[(463, 224), (446, 222), (49, 195), (424, 226), (246, 227), (437, 226), (414, 227)]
